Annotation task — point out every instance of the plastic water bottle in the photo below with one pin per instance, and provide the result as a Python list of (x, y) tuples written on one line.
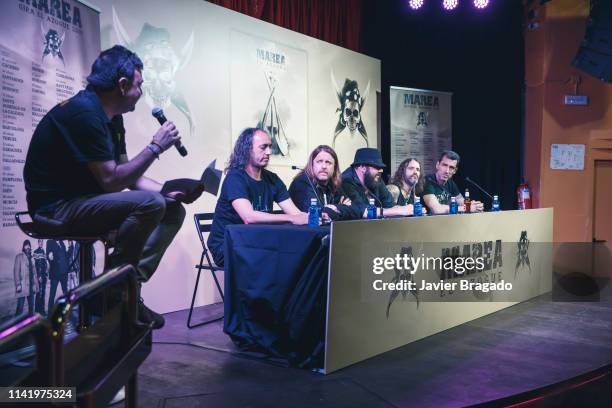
[(313, 213), (453, 208), (417, 207), (495, 205), (372, 210)]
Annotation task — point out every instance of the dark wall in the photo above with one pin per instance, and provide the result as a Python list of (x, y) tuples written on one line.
[(476, 55)]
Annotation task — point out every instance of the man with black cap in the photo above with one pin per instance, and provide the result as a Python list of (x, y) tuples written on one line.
[(362, 181)]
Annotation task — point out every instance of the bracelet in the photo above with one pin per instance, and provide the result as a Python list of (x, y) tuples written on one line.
[(161, 149), (153, 151)]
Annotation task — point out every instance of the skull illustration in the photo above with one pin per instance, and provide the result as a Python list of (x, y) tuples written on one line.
[(161, 65), (351, 104), (53, 43), (161, 62), (351, 112)]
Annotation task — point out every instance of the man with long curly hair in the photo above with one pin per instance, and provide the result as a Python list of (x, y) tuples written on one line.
[(321, 179), (407, 182), (249, 191)]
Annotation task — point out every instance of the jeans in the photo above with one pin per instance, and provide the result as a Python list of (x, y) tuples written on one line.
[(145, 221), (63, 281), (21, 302), (42, 293)]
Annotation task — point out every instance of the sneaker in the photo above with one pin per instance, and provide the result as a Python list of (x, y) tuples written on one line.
[(147, 316)]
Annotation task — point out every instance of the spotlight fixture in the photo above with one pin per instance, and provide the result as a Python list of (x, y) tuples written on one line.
[(415, 4), (450, 4), (480, 4)]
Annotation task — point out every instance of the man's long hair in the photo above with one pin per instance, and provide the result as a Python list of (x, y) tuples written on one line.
[(335, 179), (242, 149), (398, 177)]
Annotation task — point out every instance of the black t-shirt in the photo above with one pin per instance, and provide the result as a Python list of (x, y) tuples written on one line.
[(442, 192), (301, 191), (401, 200), (70, 135), (238, 184)]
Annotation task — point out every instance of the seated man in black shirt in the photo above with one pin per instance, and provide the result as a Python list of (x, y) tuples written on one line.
[(406, 182), (439, 187), (321, 180), (249, 191), (77, 169), (362, 181)]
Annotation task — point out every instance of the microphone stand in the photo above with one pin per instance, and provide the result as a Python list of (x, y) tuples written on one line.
[(480, 188), (314, 190)]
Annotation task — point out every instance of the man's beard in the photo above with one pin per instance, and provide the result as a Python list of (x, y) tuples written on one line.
[(408, 181), (370, 182)]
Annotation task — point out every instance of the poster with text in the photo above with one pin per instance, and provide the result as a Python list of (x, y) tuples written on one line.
[(46, 51), (420, 126)]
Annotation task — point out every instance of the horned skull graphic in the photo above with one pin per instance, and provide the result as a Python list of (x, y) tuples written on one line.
[(161, 64), (52, 41), (351, 103)]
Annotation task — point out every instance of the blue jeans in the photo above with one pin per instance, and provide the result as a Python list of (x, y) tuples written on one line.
[(145, 221)]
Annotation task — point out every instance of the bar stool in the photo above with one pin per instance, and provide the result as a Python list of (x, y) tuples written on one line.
[(41, 227)]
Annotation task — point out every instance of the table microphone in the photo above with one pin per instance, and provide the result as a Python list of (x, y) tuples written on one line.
[(469, 180), (314, 190), (158, 114)]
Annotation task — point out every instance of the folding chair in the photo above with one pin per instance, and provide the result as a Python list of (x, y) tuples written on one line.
[(203, 223)]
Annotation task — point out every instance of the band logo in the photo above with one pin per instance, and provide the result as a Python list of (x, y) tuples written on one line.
[(58, 12), (271, 58), (423, 101)]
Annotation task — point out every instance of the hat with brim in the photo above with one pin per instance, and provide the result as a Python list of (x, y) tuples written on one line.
[(368, 156)]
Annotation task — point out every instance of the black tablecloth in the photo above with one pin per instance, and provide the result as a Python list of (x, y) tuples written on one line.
[(276, 288)]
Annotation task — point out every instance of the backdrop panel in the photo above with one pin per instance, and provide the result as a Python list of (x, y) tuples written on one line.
[(214, 71), (420, 126)]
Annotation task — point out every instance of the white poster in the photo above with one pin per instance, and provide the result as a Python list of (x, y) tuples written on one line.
[(567, 156), (46, 51), (272, 96), (420, 126)]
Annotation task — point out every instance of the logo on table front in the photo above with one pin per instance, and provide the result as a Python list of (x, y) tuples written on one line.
[(522, 254), (402, 275)]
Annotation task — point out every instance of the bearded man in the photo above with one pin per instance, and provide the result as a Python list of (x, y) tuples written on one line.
[(362, 181)]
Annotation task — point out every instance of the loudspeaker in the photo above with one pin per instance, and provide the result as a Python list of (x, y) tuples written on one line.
[(595, 53)]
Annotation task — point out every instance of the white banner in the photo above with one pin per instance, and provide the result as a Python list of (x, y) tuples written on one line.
[(420, 126), (46, 51)]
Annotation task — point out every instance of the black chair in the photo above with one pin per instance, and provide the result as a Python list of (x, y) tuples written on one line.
[(40, 227), (26, 354), (105, 355), (203, 223)]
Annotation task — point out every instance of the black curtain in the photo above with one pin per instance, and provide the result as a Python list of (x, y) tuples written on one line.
[(476, 55)]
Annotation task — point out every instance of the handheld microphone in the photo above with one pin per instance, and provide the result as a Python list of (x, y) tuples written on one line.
[(480, 188), (314, 190), (158, 114)]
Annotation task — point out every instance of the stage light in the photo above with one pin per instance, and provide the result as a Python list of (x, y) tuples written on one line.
[(450, 4), (480, 4), (416, 4)]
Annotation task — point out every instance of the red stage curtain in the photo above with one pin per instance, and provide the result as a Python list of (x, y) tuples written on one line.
[(334, 21)]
